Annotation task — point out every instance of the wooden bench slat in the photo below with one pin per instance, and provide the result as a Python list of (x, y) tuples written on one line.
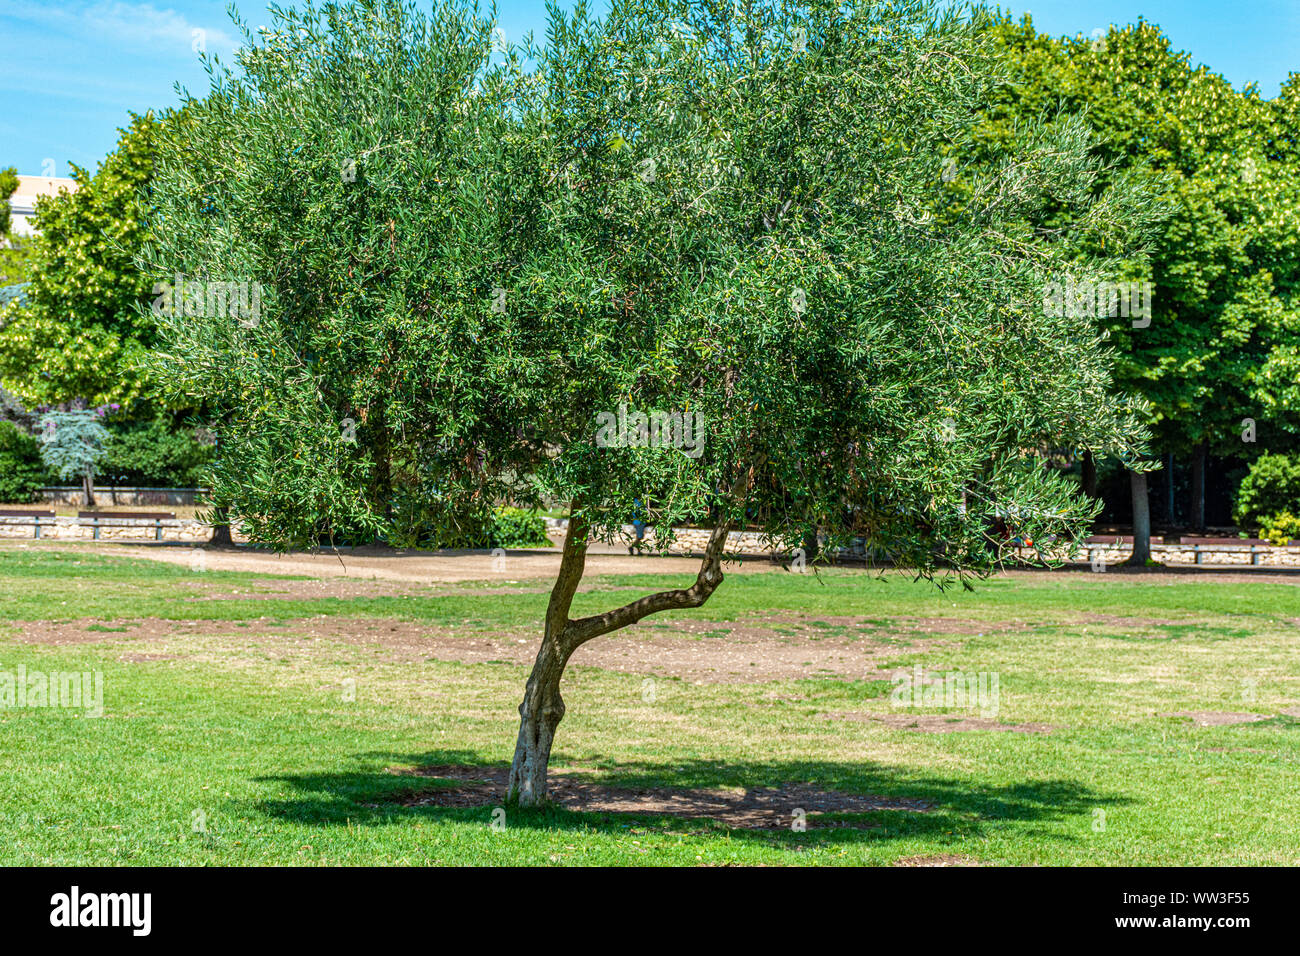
[(1222, 541), (24, 513), (128, 515)]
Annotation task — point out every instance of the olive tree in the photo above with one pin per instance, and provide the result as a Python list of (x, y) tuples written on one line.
[(715, 251)]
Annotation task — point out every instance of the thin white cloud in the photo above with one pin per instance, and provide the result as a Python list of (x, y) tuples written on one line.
[(141, 26)]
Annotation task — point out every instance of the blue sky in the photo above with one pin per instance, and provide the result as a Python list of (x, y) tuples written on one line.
[(71, 69)]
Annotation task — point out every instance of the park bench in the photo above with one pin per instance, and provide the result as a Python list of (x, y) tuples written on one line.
[(1244, 542), (20, 516), (127, 519), (1201, 546)]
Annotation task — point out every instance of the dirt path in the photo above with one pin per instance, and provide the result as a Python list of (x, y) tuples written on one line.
[(447, 567), (423, 567)]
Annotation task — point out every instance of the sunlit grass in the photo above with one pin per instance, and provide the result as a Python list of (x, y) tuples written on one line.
[(247, 727)]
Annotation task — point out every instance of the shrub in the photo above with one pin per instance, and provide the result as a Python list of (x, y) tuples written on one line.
[(154, 454), (501, 528), (21, 471), (517, 528), (1271, 487), (1281, 528)]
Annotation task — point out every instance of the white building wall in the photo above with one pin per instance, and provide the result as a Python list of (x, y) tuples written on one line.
[(22, 204)]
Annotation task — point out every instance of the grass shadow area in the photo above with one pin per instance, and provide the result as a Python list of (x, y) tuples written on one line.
[(757, 805)]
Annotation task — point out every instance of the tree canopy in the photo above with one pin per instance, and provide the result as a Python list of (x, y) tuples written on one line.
[(14, 250), (8, 185), (81, 334), (744, 215), (1226, 263)]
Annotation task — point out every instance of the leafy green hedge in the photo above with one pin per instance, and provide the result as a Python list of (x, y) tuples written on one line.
[(500, 528), (154, 454), (22, 473), (517, 528), (1271, 487)]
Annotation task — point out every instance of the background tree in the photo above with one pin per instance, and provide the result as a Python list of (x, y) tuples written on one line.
[(80, 334), (8, 185), (1224, 268), (15, 251), (155, 451), (16, 261), (72, 444), (466, 261)]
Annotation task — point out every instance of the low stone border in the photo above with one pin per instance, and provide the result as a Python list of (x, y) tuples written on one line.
[(66, 527), (123, 495), (1184, 555)]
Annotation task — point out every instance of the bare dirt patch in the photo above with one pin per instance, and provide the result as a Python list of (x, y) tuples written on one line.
[(92, 631), (747, 654), (699, 652), (941, 723), (762, 808), (1217, 718), (893, 626), (300, 589)]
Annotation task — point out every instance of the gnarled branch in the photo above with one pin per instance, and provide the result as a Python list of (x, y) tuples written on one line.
[(706, 582), (572, 565)]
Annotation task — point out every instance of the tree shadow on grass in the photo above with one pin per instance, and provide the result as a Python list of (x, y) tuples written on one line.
[(458, 786)]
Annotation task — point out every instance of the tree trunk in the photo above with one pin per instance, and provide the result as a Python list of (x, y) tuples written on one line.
[(539, 714), (1141, 520), (221, 529), (542, 708), (1198, 487), (88, 488), (1169, 490), (1088, 475)]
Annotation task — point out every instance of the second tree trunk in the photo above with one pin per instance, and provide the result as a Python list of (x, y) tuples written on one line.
[(1141, 519)]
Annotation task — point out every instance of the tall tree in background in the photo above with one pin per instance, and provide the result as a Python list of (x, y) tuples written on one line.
[(8, 185), (495, 267), (81, 333), (1224, 268), (1277, 381), (15, 251)]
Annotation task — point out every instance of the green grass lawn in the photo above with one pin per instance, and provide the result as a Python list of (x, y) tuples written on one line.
[(254, 733)]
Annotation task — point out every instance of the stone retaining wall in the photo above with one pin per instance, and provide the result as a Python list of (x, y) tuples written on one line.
[(1188, 555), (70, 528), (72, 495), (695, 540)]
